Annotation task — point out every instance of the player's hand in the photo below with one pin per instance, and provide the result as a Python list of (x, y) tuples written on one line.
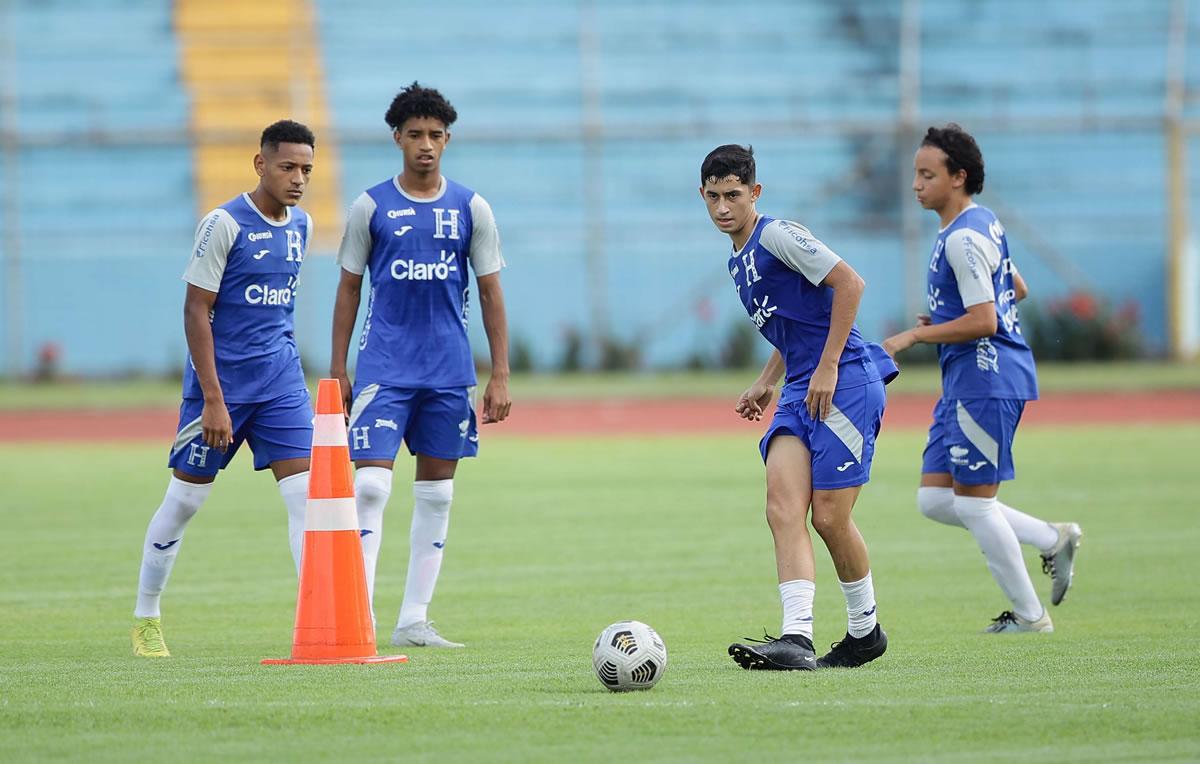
[(899, 342), (750, 404), (216, 426), (923, 319), (820, 392), (496, 403), (344, 383)]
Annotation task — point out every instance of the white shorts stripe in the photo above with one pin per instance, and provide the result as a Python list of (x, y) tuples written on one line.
[(362, 401), (977, 435), (331, 515), (846, 432), (329, 430), (186, 433)]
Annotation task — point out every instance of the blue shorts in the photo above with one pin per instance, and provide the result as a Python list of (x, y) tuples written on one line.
[(437, 422), (842, 446), (972, 440), (278, 429)]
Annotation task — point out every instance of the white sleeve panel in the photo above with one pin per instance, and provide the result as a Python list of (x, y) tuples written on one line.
[(355, 248), (798, 249), (974, 257), (210, 252), (485, 253), (308, 233)]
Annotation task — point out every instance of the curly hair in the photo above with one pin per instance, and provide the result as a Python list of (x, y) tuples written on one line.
[(962, 153), (286, 131), (730, 160), (418, 101)]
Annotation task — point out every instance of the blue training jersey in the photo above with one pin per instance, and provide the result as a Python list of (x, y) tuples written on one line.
[(417, 251), (253, 264), (969, 266), (778, 275)]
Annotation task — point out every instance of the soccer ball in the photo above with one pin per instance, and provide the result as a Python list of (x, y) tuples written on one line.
[(629, 655)]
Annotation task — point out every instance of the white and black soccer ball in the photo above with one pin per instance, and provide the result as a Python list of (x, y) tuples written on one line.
[(629, 655)]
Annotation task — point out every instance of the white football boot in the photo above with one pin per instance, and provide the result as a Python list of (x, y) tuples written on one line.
[(421, 634)]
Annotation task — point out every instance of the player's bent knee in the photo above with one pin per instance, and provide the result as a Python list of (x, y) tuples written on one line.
[(935, 503), (372, 488), (783, 514)]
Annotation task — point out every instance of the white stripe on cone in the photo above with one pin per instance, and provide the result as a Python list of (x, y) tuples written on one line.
[(331, 515), (330, 430)]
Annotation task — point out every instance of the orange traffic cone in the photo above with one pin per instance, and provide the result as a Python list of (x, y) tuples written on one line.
[(333, 617)]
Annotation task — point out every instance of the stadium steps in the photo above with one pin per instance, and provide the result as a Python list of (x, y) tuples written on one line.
[(247, 65)]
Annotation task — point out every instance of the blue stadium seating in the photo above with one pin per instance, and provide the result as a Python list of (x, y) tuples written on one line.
[(1067, 100)]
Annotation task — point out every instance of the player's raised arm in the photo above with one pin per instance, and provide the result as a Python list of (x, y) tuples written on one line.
[(352, 256), (973, 259)]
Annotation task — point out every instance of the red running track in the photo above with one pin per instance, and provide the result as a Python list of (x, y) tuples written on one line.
[(628, 417)]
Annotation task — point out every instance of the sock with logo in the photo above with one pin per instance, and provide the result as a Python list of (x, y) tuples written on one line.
[(938, 504), (294, 490), (372, 487), (860, 606), (427, 538), (163, 537), (996, 539), (797, 597)]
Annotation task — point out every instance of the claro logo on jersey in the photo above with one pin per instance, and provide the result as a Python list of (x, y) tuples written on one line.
[(411, 270), (265, 294)]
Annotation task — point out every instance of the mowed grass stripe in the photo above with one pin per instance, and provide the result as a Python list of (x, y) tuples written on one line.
[(551, 541)]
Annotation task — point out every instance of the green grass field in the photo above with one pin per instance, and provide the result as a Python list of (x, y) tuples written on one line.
[(551, 540)]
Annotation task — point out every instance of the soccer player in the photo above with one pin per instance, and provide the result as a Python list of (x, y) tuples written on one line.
[(987, 375), (242, 381), (818, 449), (416, 232)]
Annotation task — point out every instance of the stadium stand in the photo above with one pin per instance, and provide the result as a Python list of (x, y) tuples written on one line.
[(584, 130)]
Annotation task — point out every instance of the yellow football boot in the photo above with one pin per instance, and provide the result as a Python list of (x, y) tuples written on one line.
[(148, 639)]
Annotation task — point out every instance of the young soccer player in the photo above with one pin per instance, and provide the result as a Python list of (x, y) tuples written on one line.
[(416, 232), (242, 381), (818, 449), (987, 375)]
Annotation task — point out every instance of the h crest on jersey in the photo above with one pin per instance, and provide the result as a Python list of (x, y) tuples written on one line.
[(445, 223), (760, 307)]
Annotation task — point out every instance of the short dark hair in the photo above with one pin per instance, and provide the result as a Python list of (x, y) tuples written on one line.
[(962, 153), (286, 131), (419, 101), (730, 160)]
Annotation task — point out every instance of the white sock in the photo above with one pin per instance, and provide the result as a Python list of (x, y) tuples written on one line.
[(797, 597), (372, 487), (163, 537), (860, 606), (938, 504), (294, 490), (983, 518), (1030, 530), (431, 518)]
